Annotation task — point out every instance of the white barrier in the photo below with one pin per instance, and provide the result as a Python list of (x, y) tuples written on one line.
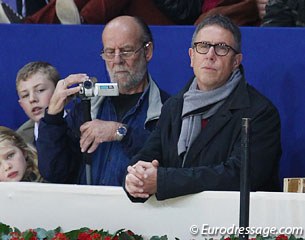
[(31, 205)]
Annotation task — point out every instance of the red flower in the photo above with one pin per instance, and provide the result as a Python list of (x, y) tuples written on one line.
[(60, 236), (84, 236), (107, 238), (227, 238), (96, 236), (281, 237), (14, 235), (33, 232)]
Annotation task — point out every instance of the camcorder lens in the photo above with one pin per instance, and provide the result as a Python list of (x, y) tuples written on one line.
[(88, 84)]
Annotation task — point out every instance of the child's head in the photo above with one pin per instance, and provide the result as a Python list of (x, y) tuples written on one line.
[(18, 160), (35, 84)]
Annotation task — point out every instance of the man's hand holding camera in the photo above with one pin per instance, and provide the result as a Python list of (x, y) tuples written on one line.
[(92, 132), (141, 180), (63, 92)]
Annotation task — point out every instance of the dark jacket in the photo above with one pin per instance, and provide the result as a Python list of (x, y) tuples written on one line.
[(214, 159)]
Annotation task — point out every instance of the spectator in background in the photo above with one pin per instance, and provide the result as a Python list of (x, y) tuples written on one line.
[(97, 12), (35, 84), (197, 143), (241, 12), (16, 10), (284, 13), (153, 12), (261, 5), (18, 160), (121, 124)]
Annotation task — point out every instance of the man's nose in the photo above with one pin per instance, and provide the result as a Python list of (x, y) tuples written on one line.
[(118, 58), (211, 53)]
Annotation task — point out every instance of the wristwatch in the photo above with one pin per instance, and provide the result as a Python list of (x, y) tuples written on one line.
[(121, 132)]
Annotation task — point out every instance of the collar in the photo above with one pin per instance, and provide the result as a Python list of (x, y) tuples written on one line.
[(154, 101), (36, 130)]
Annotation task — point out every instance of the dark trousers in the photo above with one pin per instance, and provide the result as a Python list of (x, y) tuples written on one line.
[(32, 6)]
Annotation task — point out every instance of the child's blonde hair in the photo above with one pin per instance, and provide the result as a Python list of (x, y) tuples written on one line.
[(34, 67), (31, 173)]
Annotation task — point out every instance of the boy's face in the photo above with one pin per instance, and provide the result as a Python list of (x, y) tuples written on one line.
[(35, 94), (12, 163)]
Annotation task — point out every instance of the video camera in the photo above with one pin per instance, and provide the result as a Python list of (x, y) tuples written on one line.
[(90, 88)]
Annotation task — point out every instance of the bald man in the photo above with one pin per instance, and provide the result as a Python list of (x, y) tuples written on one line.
[(121, 124)]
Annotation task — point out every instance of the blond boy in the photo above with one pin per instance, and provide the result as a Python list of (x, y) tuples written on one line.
[(35, 84)]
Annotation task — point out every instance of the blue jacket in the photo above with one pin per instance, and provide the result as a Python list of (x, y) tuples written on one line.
[(60, 158)]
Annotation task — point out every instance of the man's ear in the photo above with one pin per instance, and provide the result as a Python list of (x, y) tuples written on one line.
[(148, 49), (191, 54), (237, 60)]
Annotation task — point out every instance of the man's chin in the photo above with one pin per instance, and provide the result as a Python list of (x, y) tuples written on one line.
[(121, 81)]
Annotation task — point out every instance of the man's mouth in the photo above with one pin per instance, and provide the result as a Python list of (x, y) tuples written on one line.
[(209, 68)]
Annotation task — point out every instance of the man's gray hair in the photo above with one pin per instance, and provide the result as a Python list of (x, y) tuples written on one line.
[(223, 22)]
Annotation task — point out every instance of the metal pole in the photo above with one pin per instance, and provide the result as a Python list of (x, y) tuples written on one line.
[(244, 180), (87, 157)]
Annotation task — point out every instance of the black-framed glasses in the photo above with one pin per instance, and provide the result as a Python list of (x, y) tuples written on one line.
[(220, 49), (109, 54)]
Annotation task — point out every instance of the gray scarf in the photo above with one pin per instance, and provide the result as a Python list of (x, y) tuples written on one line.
[(210, 101)]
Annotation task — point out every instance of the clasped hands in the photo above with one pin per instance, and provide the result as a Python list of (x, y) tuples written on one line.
[(141, 180)]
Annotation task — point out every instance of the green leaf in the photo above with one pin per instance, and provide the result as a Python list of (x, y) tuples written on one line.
[(41, 233), (4, 229), (104, 233), (118, 232), (51, 233), (125, 236), (74, 233), (28, 234)]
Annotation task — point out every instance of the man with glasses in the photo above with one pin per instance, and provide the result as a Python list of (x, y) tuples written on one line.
[(120, 125), (197, 143)]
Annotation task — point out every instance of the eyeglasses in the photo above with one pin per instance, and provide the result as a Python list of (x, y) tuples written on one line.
[(220, 49), (109, 54)]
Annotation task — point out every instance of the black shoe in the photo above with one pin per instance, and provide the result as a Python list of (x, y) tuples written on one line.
[(8, 15)]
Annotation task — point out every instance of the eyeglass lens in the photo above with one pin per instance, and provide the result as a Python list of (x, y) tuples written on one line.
[(220, 49)]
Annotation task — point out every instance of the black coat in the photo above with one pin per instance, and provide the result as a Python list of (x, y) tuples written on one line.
[(213, 161)]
